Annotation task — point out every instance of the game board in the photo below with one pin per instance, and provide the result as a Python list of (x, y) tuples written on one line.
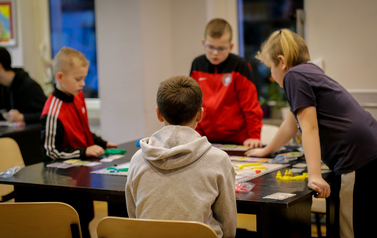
[(119, 170), (249, 171)]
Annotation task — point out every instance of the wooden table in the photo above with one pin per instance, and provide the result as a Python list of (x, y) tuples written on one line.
[(275, 218)]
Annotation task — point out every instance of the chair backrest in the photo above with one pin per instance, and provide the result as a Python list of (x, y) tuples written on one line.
[(117, 227), (10, 156), (268, 132), (39, 219)]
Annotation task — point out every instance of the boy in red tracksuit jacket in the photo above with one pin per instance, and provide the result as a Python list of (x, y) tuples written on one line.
[(232, 112), (65, 127)]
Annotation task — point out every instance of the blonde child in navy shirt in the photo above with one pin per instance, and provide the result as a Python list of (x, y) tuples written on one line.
[(334, 127)]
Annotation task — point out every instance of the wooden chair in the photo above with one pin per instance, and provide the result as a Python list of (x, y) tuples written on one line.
[(117, 227), (10, 156), (39, 219)]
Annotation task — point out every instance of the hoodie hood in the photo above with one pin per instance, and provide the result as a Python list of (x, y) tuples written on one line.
[(174, 147)]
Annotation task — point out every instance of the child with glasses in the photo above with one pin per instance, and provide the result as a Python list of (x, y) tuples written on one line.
[(232, 113)]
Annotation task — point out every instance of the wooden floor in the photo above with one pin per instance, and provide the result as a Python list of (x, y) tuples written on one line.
[(100, 209)]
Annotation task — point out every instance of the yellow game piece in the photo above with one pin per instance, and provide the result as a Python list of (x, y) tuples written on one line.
[(246, 165), (290, 173), (278, 175), (306, 175), (262, 167)]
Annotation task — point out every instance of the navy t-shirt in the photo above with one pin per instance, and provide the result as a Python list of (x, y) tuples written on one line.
[(347, 133)]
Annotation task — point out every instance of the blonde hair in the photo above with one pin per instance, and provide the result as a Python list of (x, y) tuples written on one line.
[(217, 27), (64, 60), (286, 43)]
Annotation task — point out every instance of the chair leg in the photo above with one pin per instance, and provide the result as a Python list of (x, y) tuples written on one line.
[(318, 223), (8, 197)]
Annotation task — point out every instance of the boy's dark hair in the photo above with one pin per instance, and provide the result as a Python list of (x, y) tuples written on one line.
[(5, 58), (179, 98), (216, 29)]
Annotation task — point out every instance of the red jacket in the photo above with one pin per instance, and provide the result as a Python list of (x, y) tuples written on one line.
[(232, 112), (65, 128)]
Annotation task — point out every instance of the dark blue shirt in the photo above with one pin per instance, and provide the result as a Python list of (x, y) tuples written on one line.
[(347, 133)]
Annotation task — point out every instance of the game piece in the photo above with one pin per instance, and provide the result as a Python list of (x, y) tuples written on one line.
[(114, 152)]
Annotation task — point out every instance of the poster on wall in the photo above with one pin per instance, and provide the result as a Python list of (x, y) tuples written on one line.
[(8, 23)]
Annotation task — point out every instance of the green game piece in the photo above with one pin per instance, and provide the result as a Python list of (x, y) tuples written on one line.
[(114, 152)]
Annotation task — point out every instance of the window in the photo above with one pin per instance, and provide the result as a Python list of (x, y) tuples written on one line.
[(257, 20), (73, 25)]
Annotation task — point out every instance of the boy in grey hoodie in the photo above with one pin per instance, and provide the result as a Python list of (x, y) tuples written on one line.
[(177, 174)]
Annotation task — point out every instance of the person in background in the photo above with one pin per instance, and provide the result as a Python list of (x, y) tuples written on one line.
[(232, 112), (21, 98), (334, 127), (177, 174)]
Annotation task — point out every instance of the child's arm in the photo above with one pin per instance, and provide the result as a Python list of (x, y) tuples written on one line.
[(52, 133), (104, 144), (307, 118), (287, 131), (225, 208)]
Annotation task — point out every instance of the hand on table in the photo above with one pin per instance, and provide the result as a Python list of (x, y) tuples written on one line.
[(14, 116), (320, 186), (257, 152), (252, 143), (111, 145), (94, 150)]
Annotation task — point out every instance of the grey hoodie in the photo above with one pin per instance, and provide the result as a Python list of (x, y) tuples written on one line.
[(178, 175)]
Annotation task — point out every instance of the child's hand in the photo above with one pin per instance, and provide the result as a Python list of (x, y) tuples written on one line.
[(258, 152), (13, 116), (94, 150), (320, 186), (252, 143), (111, 145)]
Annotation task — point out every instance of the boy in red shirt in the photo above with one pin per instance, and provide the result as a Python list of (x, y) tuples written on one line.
[(65, 127), (232, 112)]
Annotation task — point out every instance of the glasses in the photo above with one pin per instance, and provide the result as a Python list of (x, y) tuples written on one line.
[(220, 49)]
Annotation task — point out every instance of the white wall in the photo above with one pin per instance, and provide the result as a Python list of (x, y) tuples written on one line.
[(167, 47), (33, 29), (120, 69), (343, 33), (142, 43)]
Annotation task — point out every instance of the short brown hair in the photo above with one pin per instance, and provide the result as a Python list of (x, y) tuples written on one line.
[(286, 43), (179, 98), (63, 60), (217, 27)]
